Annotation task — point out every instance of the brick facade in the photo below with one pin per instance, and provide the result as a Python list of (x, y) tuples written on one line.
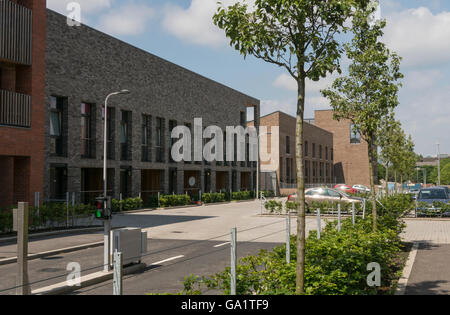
[(22, 148), (318, 167), (83, 66), (351, 162)]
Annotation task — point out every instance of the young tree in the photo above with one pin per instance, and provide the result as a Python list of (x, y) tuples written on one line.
[(301, 37), (389, 139), (369, 91)]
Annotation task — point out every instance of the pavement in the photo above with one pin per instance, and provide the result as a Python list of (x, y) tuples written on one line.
[(195, 240)]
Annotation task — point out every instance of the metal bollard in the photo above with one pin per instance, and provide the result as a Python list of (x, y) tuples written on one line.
[(318, 223), (288, 238), (339, 218), (353, 213), (233, 261), (117, 281)]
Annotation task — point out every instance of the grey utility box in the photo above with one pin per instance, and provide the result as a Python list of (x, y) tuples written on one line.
[(131, 242)]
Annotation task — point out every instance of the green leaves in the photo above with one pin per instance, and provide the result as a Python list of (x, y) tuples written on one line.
[(298, 35)]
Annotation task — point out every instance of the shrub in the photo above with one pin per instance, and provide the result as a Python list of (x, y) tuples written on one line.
[(274, 206), (213, 197), (243, 195), (174, 200), (126, 204)]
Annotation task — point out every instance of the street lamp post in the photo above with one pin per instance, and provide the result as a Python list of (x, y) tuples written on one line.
[(107, 221), (257, 163)]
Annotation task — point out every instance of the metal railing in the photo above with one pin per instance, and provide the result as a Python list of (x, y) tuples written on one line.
[(15, 32), (15, 109)]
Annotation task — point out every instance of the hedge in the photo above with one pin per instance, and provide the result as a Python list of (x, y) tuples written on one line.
[(335, 264), (174, 200), (49, 215), (126, 204)]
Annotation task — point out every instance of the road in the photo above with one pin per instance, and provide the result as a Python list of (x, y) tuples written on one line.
[(188, 241)]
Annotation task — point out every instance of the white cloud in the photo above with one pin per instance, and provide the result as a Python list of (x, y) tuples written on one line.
[(194, 24), (87, 6), (285, 81), (127, 20), (419, 36)]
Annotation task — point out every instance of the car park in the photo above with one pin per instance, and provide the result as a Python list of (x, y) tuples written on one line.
[(431, 196), (345, 188), (361, 189), (322, 194)]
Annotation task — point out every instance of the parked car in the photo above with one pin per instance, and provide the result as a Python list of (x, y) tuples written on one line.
[(361, 189), (433, 194), (322, 194), (344, 188)]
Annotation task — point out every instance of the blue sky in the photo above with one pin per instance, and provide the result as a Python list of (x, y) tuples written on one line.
[(181, 31)]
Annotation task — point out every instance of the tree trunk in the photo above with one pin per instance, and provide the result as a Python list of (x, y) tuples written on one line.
[(301, 223), (372, 156), (387, 179)]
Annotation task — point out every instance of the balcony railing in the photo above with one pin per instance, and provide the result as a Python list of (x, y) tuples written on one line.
[(15, 109), (15, 32)]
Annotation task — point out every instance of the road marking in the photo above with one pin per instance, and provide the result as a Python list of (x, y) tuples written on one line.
[(166, 260), (403, 282), (220, 245)]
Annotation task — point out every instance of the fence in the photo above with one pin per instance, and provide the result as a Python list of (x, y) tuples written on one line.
[(118, 274)]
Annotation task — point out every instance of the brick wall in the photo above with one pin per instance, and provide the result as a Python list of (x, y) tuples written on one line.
[(351, 161), (29, 142)]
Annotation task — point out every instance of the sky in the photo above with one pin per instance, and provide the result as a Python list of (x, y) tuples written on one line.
[(181, 31)]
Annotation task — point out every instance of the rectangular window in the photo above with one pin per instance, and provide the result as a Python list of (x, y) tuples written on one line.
[(313, 150), (172, 125), (56, 125), (109, 132), (320, 151), (326, 153), (306, 148), (58, 182), (125, 135), (159, 141), (146, 136), (355, 136), (288, 145), (189, 126), (332, 157), (87, 132)]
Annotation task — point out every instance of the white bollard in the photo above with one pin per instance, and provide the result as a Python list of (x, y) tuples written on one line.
[(233, 261), (117, 281)]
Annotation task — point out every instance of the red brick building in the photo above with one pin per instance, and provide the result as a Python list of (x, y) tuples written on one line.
[(22, 99), (351, 162), (318, 159)]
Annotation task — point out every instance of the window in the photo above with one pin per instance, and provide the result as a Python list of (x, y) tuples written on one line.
[(306, 168), (146, 136), (56, 125), (320, 151), (355, 136), (109, 132), (159, 148), (288, 170), (87, 143), (326, 153), (189, 126), (125, 137), (58, 182), (172, 125), (288, 145), (313, 150), (332, 157), (306, 148)]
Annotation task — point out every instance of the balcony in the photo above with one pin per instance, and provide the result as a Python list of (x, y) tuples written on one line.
[(15, 109), (15, 32)]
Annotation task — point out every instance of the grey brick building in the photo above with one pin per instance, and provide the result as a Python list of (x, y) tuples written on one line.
[(83, 66)]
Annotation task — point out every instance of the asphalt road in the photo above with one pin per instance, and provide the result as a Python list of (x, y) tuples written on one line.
[(201, 258), (169, 261)]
